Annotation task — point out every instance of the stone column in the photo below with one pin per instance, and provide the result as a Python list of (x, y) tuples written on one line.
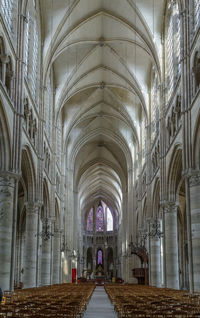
[(6, 226), (155, 271), (46, 261), (195, 225), (30, 257), (171, 246), (56, 256)]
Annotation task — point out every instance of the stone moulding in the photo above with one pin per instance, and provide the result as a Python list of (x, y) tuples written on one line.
[(194, 180)]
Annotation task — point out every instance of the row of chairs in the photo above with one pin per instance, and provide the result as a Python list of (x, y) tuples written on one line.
[(59, 301), (140, 301)]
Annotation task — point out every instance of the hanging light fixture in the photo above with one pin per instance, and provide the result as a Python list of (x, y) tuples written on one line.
[(156, 232), (45, 234)]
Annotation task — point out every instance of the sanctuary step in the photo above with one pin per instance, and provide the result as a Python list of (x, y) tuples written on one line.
[(100, 305)]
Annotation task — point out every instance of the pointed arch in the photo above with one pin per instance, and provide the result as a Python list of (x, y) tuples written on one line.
[(5, 141), (57, 214), (175, 173), (196, 144), (156, 198), (46, 200), (28, 173)]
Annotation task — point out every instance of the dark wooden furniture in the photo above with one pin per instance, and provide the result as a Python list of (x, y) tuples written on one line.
[(142, 275)]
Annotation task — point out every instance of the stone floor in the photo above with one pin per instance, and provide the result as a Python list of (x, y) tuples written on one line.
[(100, 305)]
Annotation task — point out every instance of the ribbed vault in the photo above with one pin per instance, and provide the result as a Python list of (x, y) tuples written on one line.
[(100, 54)]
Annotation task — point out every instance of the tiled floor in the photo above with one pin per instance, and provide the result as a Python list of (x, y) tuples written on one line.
[(100, 305)]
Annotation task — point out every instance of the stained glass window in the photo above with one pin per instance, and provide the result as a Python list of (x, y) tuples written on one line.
[(173, 66), (99, 223), (100, 257), (109, 220), (155, 102), (90, 221), (27, 42), (35, 58)]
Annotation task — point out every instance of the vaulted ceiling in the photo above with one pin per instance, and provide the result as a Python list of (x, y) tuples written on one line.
[(101, 53)]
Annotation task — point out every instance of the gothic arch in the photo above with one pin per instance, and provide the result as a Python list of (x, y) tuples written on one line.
[(174, 173), (46, 200), (9, 76), (196, 144), (144, 215), (2, 53), (57, 214), (28, 173), (5, 146), (156, 199), (196, 71)]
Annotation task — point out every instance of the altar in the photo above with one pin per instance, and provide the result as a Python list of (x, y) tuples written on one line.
[(100, 280), (99, 277)]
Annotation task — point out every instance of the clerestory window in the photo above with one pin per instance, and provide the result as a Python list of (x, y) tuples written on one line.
[(172, 47)]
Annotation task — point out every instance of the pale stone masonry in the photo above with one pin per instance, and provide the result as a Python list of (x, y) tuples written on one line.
[(99, 104)]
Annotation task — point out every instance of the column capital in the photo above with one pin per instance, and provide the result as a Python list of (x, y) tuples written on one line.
[(193, 176), (170, 206), (38, 204), (57, 230), (194, 179), (8, 176), (4, 58), (31, 208)]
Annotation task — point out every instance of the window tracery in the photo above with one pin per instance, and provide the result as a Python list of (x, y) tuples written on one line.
[(143, 127), (48, 108), (27, 43), (9, 76), (103, 219), (34, 60), (174, 120), (100, 219), (196, 72), (30, 122), (6, 69), (31, 49), (59, 141), (155, 104), (47, 158), (172, 45), (2, 53), (100, 257), (109, 220), (90, 221), (155, 157)]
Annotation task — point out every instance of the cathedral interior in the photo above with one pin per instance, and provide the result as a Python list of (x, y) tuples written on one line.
[(100, 142)]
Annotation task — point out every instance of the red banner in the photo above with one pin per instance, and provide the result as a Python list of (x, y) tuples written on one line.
[(73, 275)]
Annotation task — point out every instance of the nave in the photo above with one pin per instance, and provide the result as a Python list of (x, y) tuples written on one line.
[(99, 305), (87, 300), (151, 302), (59, 300)]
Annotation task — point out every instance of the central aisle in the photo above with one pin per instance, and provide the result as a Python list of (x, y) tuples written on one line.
[(100, 305)]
